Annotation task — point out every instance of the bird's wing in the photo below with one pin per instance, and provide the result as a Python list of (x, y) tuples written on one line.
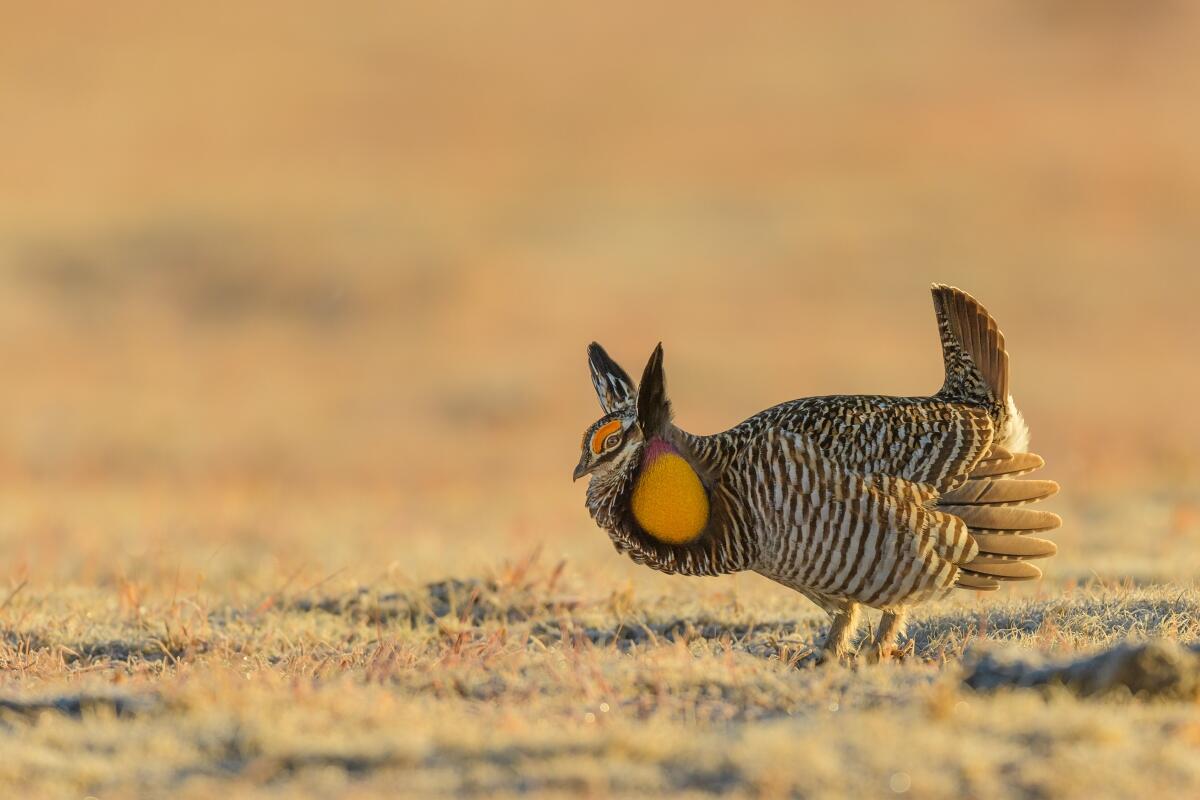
[(827, 528), (932, 442)]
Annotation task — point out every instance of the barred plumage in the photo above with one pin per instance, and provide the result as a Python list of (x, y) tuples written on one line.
[(850, 500)]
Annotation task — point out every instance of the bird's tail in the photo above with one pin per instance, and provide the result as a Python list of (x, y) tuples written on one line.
[(972, 349), (993, 502)]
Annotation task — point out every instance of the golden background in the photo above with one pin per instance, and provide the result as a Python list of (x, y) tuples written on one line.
[(305, 289)]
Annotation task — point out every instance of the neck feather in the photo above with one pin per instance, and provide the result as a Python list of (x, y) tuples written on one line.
[(669, 502), (656, 449), (610, 496)]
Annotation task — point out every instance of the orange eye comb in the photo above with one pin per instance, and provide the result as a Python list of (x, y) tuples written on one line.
[(602, 434)]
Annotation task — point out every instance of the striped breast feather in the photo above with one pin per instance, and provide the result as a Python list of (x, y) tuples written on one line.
[(877, 539)]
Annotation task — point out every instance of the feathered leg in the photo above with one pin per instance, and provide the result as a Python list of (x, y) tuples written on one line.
[(891, 625), (845, 625)]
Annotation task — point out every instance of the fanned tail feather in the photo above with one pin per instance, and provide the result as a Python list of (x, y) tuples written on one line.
[(997, 491), (1004, 519), (993, 504), (1001, 463)]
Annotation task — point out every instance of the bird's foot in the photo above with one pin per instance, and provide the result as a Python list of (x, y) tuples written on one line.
[(801, 657), (840, 657), (878, 652)]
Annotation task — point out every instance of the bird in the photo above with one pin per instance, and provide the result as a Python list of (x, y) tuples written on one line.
[(854, 501)]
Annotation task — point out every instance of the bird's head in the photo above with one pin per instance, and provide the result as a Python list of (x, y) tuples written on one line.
[(613, 443)]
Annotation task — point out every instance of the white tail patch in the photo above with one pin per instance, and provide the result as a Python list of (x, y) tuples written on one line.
[(1016, 433)]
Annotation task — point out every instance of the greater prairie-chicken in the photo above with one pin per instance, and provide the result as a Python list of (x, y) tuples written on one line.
[(850, 500)]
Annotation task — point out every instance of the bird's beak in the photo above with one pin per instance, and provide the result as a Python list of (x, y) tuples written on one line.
[(581, 468)]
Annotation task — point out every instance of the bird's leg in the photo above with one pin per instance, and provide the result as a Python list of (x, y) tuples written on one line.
[(845, 625), (891, 624)]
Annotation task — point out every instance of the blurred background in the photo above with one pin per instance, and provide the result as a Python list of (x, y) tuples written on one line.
[(306, 289)]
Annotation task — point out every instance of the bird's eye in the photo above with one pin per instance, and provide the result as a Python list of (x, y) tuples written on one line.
[(607, 437)]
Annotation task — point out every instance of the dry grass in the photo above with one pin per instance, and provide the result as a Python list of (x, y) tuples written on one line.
[(530, 679), (293, 308)]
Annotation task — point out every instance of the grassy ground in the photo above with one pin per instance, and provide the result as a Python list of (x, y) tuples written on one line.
[(527, 678), (292, 313)]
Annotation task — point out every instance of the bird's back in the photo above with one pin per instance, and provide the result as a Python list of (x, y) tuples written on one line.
[(925, 439)]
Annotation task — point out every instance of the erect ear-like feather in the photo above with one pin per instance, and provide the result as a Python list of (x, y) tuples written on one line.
[(613, 385), (653, 407)]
